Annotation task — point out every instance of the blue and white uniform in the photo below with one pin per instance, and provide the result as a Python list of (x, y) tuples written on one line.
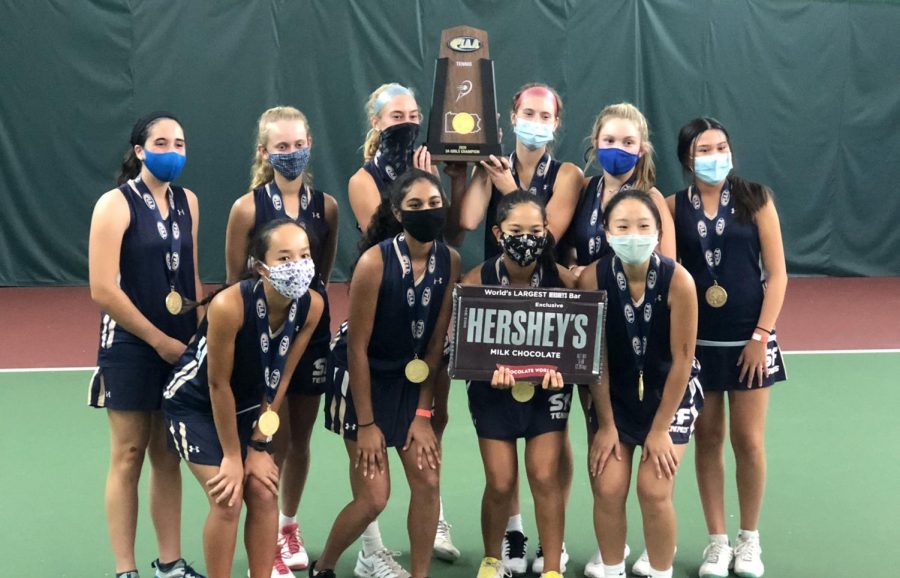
[(130, 374), (633, 416), (391, 347), (586, 234), (541, 185), (495, 413), (311, 375), (723, 332), (188, 409)]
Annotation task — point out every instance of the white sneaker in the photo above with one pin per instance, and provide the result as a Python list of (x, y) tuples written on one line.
[(538, 565), (717, 560), (279, 569), (594, 567), (290, 542), (747, 560), (381, 564), (443, 545), (641, 566), (492, 568), (515, 552)]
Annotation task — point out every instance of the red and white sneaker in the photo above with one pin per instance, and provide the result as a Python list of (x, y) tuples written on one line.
[(290, 544), (280, 569)]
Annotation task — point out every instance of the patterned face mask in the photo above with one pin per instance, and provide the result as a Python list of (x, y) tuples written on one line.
[(523, 249), (395, 150), (290, 165), (291, 279)]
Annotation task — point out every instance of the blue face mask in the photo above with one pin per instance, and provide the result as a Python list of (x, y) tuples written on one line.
[(712, 169), (164, 166), (616, 161), (290, 165), (532, 134), (633, 249)]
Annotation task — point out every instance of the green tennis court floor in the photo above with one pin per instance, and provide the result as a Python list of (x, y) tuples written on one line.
[(831, 504)]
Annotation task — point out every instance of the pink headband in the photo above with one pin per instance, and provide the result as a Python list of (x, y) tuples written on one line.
[(541, 91)]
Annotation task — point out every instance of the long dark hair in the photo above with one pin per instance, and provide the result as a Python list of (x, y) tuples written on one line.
[(384, 224), (131, 165), (749, 197), (513, 200), (637, 194)]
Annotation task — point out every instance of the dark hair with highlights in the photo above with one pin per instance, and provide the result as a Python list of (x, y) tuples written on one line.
[(749, 197)]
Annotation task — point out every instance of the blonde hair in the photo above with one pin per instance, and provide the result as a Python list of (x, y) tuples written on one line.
[(645, 169), (262, 172), (373, 109)]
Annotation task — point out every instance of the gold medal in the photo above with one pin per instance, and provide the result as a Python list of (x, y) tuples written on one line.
[(641, 386), (522, 391), (174, 302), (268, 423), (716, 295), (416, 371)]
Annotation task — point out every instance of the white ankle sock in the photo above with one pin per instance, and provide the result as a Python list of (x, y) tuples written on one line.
[(748, 535), (596, 558), (616, 571), (441, 514), (286, 520), (660, 573), (515, 524), (371, 539), (718, 539)]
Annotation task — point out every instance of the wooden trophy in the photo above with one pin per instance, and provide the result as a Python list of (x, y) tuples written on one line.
[(463, 123)]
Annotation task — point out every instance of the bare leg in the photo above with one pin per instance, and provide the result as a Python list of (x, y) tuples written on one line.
[(165, 492), (220, 530), (748, 439), (709, 460), (302, 412), (260, 527), (658, 512), (610, 491), (424, 505), (129, 437), (500, 472), (543, 462)]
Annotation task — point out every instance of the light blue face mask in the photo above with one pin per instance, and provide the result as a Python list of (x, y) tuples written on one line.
[(633, 249), (712, 169), (532, 134)]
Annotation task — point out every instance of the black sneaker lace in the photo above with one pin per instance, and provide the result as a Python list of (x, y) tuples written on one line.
[(515, 544)]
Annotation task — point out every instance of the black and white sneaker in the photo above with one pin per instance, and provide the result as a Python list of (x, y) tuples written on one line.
[(538, 565), (313, 573), (515, 552)]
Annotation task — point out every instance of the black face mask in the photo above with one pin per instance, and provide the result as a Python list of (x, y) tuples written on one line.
[(523, 249), (425, 225), (396, 148)]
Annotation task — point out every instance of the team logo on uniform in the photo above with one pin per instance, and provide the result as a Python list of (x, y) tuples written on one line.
[(636, 345), (621, 281), (432, 263), (726, 197), (648, 311), (420, 329), (405, 263), (285, 343), (717, 256), (504, 280), (594, 217), (172, 261), (695, 200), (629, 313), (709, 258), (162, 230), (644, 340), (592, 244), (701, 228), (410, 296), (651, 279), (264, 343), (390, 172), (426, 296), (293, 313), (720, 226), (532, 190), (148, 198), (304, 201), (542, 168), (261, 308), (274, 379), (176, 231), (276, 202)]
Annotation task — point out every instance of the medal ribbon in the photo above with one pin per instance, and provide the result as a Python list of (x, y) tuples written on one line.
[(504, 277), (418, 298), (278, 201), (639, 320), (597, 209), (712, 242), (171, 232), (538, 179), (273, 355)]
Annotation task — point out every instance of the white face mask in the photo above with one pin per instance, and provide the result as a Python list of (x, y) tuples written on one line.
[(291, 279)]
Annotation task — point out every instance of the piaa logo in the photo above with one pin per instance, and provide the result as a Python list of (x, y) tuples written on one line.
[(465, 44)]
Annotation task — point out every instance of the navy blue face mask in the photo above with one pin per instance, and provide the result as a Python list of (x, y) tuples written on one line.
[(290, 165)]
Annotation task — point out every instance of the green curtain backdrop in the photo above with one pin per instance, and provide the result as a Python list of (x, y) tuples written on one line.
[(809, 91)]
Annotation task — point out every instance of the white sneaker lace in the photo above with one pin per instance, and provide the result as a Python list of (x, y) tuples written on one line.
[(748, 550), (502, 571), (714, 551), (443, 531), (386, 567)]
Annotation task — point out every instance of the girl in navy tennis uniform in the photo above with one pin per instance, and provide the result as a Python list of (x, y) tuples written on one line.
[(537, 413), (535, 115), (729, 239), (388, 151), (382, 392), (222, 400), (648, 394), (280, 188), (142, 256)]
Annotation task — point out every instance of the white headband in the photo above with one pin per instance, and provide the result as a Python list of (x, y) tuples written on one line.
[(388, 93)]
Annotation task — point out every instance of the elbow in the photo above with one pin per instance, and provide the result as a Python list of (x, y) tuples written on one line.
[(100, 295), (468, 224)]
